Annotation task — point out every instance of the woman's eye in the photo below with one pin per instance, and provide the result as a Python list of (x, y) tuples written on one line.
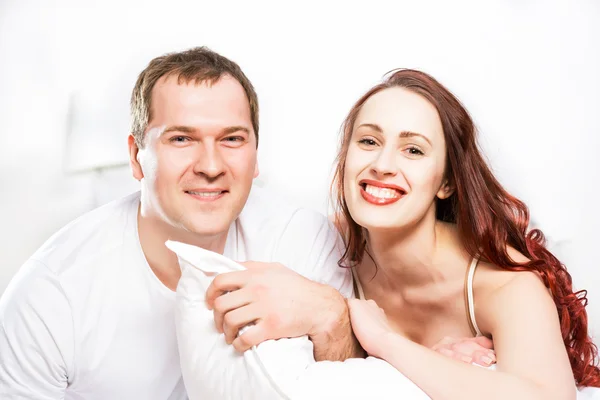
[(415, 151), (368, 142)]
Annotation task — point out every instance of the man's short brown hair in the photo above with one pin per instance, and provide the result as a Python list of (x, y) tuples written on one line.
[(199, 64)]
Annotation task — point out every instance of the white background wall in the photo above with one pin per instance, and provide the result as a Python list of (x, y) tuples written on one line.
[(527, 71)]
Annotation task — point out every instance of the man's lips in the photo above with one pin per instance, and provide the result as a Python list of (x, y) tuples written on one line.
[(380, 193), (211, 194)]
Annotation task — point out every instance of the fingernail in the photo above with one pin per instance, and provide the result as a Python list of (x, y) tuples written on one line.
[(486, 360)]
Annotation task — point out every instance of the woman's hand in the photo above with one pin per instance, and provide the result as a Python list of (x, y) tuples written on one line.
[(370, 326), (478, 350)]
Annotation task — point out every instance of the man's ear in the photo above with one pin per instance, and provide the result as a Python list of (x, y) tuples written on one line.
[(256, 170), (446, 190), (136, 168)]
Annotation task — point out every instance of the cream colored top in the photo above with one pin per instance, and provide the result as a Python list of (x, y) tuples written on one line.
[(469, 302)]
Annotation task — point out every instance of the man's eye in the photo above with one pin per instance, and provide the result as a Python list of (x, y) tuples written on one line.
[(179, 139), (234, 139)]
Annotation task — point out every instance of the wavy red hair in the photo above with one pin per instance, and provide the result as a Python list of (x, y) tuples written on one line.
[(488, 218)]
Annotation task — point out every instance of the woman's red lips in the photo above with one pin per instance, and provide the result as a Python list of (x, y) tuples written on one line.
[(380, 193)]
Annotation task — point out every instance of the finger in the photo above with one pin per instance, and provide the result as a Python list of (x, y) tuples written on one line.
[(457, 356), (253, 336), (482, 358), (474, 351), (234, 320), (440, 345), (466, 347), (259, 265), (484, 342), (352, 301), (465, 359), (445, 351), (229, 302), (226, 282), (445, 342), (353, 304)]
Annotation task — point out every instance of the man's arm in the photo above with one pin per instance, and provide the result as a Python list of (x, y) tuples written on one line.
[(36, 340), (282, 303), (336, 340)]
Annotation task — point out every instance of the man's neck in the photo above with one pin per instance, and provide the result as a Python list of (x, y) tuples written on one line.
[(153, 232)]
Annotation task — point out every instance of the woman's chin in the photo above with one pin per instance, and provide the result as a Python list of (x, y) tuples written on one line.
[(379, 224)]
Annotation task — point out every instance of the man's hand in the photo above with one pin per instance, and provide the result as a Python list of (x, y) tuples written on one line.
[(478, 350), (280, 302)]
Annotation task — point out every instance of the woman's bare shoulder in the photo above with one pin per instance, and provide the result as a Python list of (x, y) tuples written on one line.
[(492, 283), (491, 277)]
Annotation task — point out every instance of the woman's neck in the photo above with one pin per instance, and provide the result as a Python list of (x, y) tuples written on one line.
[(416, 257)]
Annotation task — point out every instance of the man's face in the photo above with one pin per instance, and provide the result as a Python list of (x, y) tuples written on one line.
[(199, 155)]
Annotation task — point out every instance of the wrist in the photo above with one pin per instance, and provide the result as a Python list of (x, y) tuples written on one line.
[(331, 315), (385, 344)]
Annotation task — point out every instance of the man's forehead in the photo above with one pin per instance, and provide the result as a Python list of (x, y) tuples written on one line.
[(226, 91), (176, 78)]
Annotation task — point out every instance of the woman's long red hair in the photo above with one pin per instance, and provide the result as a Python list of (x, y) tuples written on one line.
[(488, 218)]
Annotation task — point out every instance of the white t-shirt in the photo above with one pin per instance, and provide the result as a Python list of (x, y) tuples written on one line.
[(86, 318)]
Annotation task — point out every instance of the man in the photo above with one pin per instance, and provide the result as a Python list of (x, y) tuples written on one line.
[(90, 314)]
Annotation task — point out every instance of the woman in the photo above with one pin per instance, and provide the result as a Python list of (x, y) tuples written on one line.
[(421, 213)]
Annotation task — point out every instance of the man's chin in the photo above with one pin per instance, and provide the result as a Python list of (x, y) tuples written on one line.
[(207, 228)]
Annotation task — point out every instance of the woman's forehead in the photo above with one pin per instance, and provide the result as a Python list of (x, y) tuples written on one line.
[(397, 109)]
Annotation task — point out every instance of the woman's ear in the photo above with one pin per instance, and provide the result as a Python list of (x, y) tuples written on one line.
[(446, 190)]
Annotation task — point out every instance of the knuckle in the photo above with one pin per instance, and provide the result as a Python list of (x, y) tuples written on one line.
[(273, 322), (237, 344), (218, 316), (217, 283), (218, 304), (244, 341), (229, 320), (446, 352), (260, 290)]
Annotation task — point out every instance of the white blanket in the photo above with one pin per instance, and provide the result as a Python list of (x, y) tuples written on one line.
[(275, 369)]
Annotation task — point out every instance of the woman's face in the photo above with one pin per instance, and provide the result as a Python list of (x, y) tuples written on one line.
[(395, 161)]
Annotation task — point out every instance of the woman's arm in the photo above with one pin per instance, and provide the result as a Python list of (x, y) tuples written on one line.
[(532, 359)]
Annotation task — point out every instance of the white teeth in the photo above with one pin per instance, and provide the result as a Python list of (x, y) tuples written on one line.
[(205, 194), (382, 193)]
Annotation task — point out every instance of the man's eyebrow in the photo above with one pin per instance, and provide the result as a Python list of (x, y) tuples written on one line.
[(179, 128), (235, 128), (191, 130)]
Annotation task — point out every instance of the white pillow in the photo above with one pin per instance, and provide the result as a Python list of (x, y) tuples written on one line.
[(275, 369)]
